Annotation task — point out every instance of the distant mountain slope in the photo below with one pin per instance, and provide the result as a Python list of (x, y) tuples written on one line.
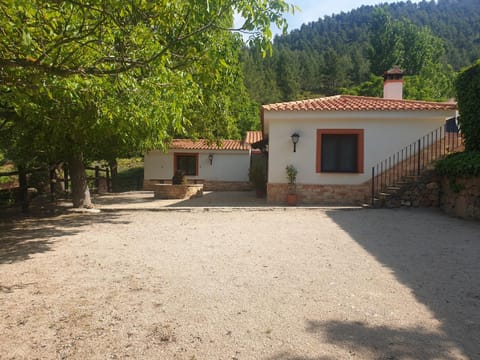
[(457, 22), (324, 56)]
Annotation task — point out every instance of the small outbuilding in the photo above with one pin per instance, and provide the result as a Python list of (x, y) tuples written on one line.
[(218, 166)]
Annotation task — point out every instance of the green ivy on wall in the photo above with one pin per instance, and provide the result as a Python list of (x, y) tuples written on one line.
[(468, 93)]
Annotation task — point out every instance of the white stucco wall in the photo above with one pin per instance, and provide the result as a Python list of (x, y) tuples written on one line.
[(226, 165), (384, 134)]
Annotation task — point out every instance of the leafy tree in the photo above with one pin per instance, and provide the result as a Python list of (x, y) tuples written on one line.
[(107, 37), (385, 42), (95, 80), (260, 76), (288, 74), (434, 83), (335, 72), (372, 87), (468, 93), (402, 43)]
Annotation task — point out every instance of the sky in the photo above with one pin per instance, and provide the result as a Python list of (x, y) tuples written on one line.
[(312, 10)]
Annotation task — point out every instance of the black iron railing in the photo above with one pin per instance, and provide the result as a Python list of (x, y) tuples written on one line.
[(412, 159)]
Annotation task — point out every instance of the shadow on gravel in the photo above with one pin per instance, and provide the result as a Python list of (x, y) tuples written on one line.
[(21, 239), (288, 356), (223, 199), (438, 258), (141, 197), (387, 343)]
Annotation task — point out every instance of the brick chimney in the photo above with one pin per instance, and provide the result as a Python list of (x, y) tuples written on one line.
[(393, 84)]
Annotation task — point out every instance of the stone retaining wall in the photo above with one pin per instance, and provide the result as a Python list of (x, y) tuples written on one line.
[(321, 194), (423, 192), (461, 198), (167, 191)]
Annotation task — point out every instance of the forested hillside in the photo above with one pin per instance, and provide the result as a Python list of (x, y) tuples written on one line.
[(349, 51)]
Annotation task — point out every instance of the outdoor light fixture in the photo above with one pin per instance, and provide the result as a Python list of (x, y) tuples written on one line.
[(210, 158), (295, 138)]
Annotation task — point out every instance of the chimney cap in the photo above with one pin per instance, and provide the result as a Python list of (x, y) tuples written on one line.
[(393, 73)]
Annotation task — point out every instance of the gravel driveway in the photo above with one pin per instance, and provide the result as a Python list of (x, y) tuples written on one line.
[(283, 284)]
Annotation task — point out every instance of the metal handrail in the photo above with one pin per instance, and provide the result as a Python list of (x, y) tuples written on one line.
[(413, 158)]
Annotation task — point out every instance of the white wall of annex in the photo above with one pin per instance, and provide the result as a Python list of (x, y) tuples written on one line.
[(226, 166)]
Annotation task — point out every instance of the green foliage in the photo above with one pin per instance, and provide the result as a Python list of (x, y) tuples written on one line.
[(130, 175), (83, 81), (129, 163), (373, 87), (104, 37), (402, 43), (5, 179), (291, 172), (464, 164), (434, 83), (128, 180), (468, 95)]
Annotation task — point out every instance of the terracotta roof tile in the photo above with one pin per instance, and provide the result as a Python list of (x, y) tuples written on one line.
[(201, 144), (253, 137), (357, 103)]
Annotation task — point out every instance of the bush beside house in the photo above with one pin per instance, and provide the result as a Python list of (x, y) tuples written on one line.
[(460, 194)]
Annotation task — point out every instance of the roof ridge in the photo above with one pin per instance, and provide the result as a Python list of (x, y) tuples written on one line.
[(358, 103), (205, 144)]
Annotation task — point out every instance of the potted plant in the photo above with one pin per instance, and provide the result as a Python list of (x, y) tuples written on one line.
[(291, 172), (179, 178), (258, 178)]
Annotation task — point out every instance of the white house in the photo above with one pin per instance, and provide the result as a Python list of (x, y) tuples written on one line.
[(222, 166), (340, 138)]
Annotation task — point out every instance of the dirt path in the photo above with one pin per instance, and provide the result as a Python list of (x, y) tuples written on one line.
[(231, 284)]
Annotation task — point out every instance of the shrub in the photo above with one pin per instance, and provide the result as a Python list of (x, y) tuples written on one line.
[(465, 164), (468, 93), (258, 176)]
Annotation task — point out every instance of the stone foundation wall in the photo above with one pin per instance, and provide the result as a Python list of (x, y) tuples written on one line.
[(461, 198), (226, 186), (321, 194), (167, 191), (150, 184), (207, 184)]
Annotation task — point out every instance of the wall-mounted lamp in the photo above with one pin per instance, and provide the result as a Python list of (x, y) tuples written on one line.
[(295, 138), (210, 158)]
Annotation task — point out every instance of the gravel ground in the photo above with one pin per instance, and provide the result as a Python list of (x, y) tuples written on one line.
[(224, 283)]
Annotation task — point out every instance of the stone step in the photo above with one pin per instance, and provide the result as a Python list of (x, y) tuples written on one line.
[(413, 177), (393, 188)]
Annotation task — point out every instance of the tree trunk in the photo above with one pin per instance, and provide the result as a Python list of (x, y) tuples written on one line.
[(78, 176), (114, 168), (22, 179)]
